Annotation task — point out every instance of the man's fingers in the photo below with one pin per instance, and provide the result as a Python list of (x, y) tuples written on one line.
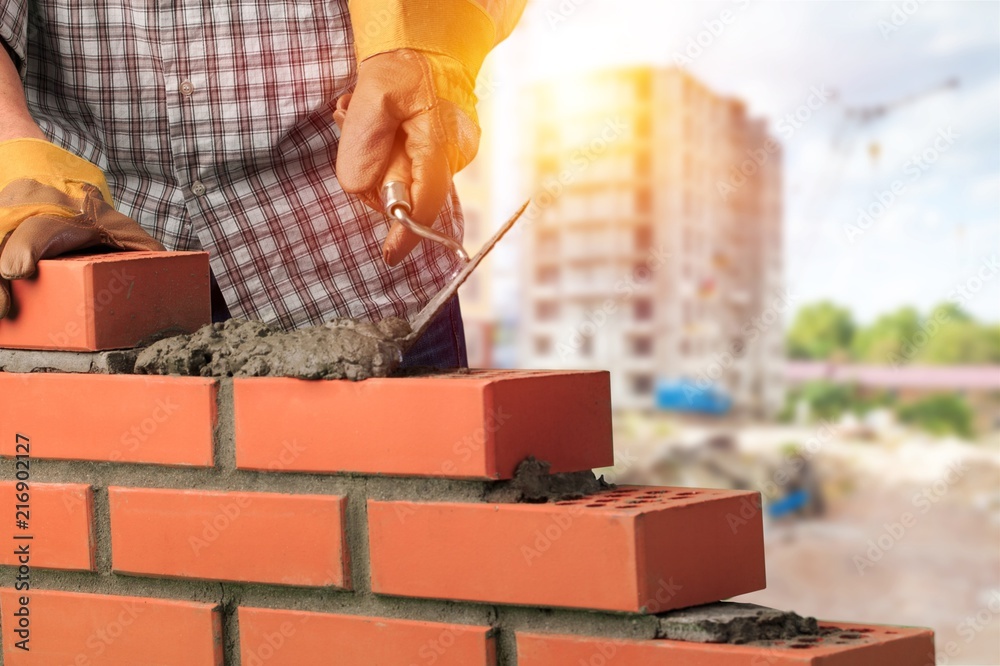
[(430, 182), (41, 237), (399, 242), (429, 169), (4, 298), (366, 137)]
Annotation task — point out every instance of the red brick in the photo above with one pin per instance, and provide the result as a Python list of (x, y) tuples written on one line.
[(123, 418), (69, 628), (477, 425), (60, 524), (876, 646), (235, 536), (634, 549), (297, 638), (108, 301)]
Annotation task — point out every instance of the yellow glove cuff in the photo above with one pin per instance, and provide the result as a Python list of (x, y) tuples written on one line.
[(46, 163), (455, 35)]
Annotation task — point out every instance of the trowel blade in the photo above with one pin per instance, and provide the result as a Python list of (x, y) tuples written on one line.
[(434, 306)]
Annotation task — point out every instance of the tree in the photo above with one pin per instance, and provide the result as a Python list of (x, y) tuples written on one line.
[(962, 343), (889, 339), (820, 331), (829, 401)]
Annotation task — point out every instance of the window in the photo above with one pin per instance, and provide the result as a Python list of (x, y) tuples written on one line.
[(587, 346), (642, 346), (644, 309), (642, 164), (547, 242), (642, 384), (546, 275), (644, 201), (543, 345), (643, 238), (546, 310)]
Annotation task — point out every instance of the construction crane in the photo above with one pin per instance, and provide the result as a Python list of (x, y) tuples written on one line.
[(845, 136), (853, 120)]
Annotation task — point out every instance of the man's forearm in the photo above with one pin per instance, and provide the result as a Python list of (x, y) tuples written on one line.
[(15, 120)]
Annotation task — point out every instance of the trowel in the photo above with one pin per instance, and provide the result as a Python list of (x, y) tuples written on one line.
[(396, 201)]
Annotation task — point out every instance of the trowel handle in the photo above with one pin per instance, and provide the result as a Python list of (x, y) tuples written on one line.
[(396, 201)]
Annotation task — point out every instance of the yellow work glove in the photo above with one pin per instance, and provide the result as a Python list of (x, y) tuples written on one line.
[(412, 116), (52, 202)]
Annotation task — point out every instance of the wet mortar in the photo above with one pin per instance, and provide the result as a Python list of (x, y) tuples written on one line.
[(735, 623), (533, 483), (339, 349)]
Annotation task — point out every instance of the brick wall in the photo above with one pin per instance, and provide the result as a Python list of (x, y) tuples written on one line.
[(195, 521)]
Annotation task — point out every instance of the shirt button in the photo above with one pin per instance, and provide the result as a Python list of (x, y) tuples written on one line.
[(198, 188), (187, 88)]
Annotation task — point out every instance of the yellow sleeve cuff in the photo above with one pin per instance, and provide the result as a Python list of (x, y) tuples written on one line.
[(47, 163), (458, 29)]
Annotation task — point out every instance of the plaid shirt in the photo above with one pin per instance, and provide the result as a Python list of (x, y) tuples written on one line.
[(213, 123)]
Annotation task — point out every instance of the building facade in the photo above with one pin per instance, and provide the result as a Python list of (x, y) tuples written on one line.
[(653, 247)]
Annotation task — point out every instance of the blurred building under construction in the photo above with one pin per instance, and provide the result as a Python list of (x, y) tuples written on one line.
[(654, 245)]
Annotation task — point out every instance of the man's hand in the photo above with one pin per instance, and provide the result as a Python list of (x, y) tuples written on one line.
[(52, 202), (397, 126)]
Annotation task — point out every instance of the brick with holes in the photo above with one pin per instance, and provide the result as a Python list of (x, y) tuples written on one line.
[(632, 549), (838, 645)]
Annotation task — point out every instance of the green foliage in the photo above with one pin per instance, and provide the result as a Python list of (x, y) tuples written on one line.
[(819, 330), (884, 340), (946, 336), (829, 401), (962, 343), (941, 414)]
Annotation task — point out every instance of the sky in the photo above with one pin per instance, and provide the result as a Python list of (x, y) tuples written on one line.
[(939, 236)]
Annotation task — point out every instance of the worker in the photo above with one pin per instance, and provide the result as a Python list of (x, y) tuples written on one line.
[(210, 126)]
